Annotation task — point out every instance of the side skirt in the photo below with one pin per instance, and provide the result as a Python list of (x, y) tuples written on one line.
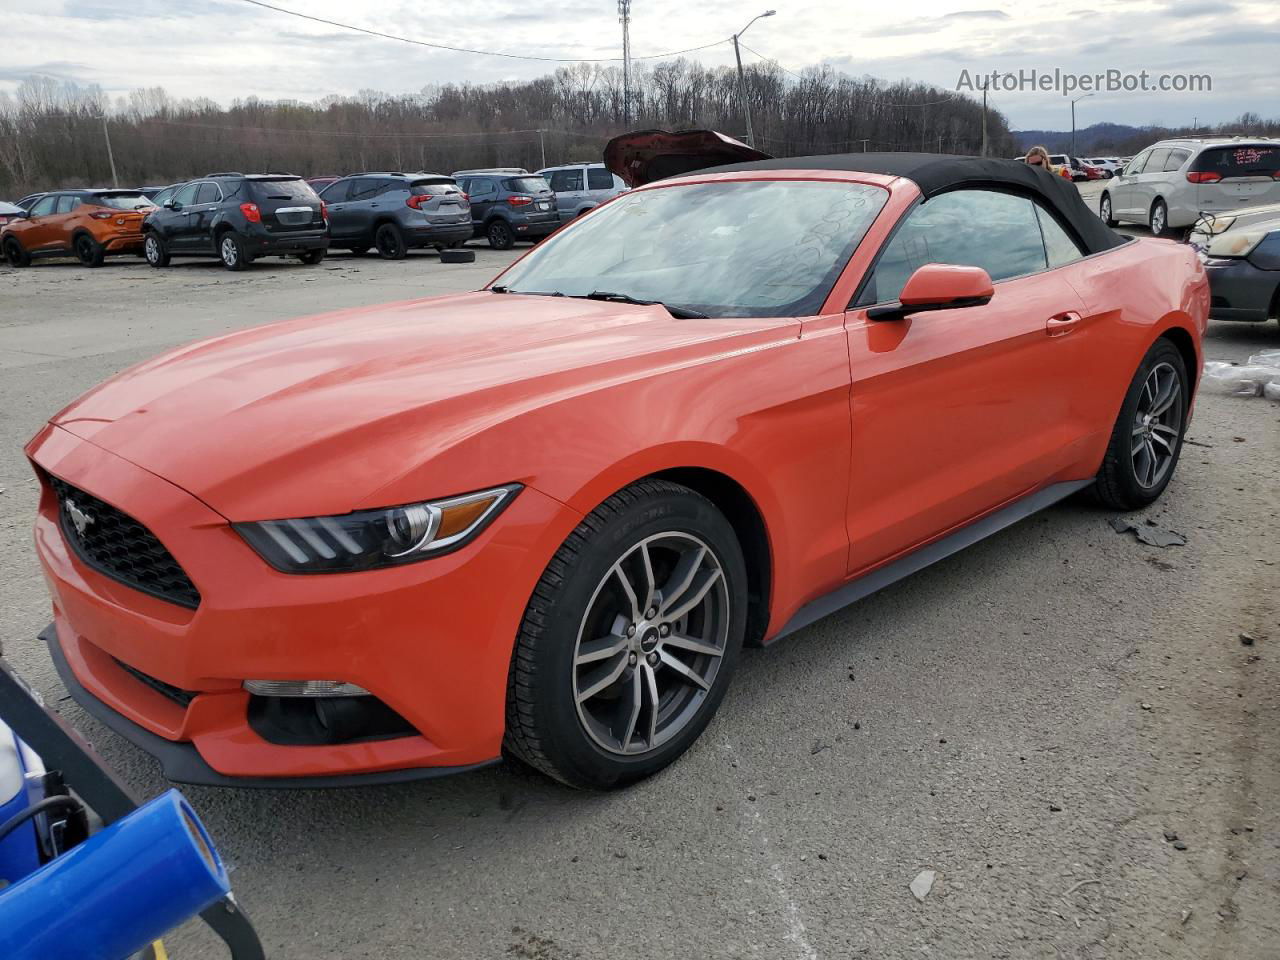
[(869, 583)]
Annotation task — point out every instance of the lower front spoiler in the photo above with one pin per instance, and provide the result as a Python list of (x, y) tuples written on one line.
[(182, 763)]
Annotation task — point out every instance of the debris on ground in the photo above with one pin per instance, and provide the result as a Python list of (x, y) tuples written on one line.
[(1145, 706), (1248, 639), (1179, 845), (1077, 886), (819, 746), (1186, 915), (923, 883), (1170, 836), (1249, 379), (1148, 533)]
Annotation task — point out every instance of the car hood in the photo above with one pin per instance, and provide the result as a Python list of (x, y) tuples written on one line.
[(317, 415), (647, 155)]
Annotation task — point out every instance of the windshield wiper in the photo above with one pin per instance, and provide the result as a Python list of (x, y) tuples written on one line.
[(680, 313), (503, 288)]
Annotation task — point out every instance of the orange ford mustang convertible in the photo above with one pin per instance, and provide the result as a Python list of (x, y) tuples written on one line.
[(542, 519)]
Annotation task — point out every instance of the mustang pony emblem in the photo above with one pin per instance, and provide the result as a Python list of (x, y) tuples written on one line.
[(79, 519)]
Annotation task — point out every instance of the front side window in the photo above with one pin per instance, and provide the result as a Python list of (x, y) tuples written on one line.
[(1137, 164), (186, 196), (44, 206), (1155, 162), (336, 192), (562, 181), (999, 232), (726, 249)]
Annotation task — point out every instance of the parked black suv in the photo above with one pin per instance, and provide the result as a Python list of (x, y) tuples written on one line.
[(238, 218), (507, 207), (396, 211)]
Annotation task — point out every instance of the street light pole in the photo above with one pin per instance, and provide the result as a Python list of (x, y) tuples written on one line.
[(1073, 120), (742, 80)]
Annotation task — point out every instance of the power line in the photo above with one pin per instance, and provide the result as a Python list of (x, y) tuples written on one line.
[(486, 53), (770, 60)]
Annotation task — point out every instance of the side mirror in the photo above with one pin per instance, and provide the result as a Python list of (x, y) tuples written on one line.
[(171, 205), (938, 286)]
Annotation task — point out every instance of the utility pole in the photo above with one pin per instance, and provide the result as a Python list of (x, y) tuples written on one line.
[(742, 80), (542, 143), (624, 18), (1073, 121), (939, 143), (115, 181), (864, 146), (985, 87)]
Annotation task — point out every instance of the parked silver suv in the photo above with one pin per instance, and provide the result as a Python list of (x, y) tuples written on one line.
[(580, 187), (1170, 184)]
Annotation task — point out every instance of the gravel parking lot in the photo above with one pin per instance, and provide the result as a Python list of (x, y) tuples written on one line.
[(1027, 718)]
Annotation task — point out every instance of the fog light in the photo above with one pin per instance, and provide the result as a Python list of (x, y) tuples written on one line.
[(304, 688)]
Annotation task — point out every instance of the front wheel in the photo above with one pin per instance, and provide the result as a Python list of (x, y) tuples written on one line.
[(1160, 220), (1104, 211), (312, 257), (629, 641), (1147, 438), (14, 254), (231, 251), (88, 251), (155, 250), (500, 234), (390, 242)]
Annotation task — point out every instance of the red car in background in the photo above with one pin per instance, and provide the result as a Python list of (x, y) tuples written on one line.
[(541, 519)]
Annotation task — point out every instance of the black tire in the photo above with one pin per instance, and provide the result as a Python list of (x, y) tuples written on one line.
[(1105, 211), (155, 250), (545, 726), (500, 234), (390, 242), (1158, 220), (312, 257), (1121, 483), (88, 251), (457, 256), (231, 251), (14, 254)]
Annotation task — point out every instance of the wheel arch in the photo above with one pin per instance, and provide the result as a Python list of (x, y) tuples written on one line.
[(744, 515), (1181, 338)]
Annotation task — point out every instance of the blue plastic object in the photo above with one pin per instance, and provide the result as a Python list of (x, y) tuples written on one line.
[(112, 895)]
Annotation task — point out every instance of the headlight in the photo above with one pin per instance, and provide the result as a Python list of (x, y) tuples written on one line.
[(1236, 244), (1213, 225), (375, 538)]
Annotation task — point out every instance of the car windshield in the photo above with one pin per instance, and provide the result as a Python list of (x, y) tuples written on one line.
[(122, 201), (727, 249), (527, 185)]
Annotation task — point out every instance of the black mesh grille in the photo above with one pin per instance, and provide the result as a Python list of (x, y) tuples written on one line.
[(115, 544), (176, 694)]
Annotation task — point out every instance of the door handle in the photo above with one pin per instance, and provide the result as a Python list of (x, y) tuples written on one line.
[(1062, 324)]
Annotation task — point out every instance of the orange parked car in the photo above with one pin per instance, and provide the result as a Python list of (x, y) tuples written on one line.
[(542, 518), (87, 224)]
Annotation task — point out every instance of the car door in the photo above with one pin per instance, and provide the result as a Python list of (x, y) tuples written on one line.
[(335, 197), (484, 193), (177, 228), (199, 221), (362, 206), (599, 185), (957, 411), (62, 224), (570, 191), (1122, 190), (38, 232), (1146, 185)]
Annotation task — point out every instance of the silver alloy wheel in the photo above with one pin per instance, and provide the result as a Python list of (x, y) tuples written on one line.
[(229, 252), (151, 248), (650, 644), (1104, 209), (1157, 219), (1157, 425)]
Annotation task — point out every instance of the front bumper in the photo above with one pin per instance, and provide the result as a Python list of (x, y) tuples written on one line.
[(1239, 290), (431, 640)]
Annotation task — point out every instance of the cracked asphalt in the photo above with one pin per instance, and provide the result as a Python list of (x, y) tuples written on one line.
[(1027, 718)]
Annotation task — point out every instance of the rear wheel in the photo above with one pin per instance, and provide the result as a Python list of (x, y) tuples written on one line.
[(14, 255), (88, 251), (630, 639), (390, 242), (500, 234), (231, 251), (1147, 438), (1159, 220), (1104, 211), (312, 257), (155, 250)]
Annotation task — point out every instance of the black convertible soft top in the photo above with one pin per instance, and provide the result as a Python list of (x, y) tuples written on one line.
[(937, 173)]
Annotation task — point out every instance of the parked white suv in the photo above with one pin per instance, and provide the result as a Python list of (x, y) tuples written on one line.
[(1170, 184), (580, 187)]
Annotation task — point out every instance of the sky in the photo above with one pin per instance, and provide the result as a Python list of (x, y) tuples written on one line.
[(227, 49)]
